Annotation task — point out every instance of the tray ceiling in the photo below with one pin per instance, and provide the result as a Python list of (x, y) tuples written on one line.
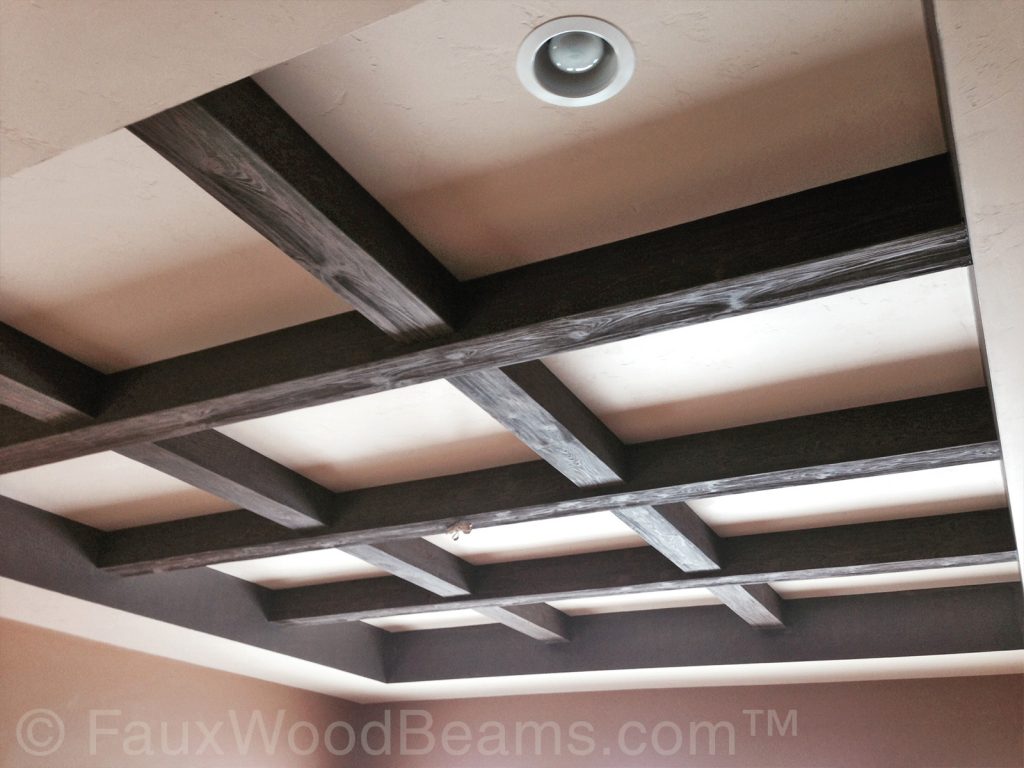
[(110, 255)]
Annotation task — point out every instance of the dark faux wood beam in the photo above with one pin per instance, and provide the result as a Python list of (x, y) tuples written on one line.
[(929, 432), (226, 468), (241, 147), (421, 563), (539, 621), (886, 226), (538, 409), (45, 384), (756, 604), (931, 622), (946, 541), (679, 534)]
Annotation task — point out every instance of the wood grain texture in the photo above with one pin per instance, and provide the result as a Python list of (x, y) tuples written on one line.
[(241, 147), (757, 604), (47, 385), (886, 226), (421, 563), (535, 406), (540, 621), (677, 532), (232, 471), (971, 538), (929, 622), (923, 433)]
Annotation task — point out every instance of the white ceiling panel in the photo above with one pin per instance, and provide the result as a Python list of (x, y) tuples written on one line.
[(108, 491), (404, 434), (301, 569), (111, 255), (592, 532), (435, 620), (70, 72), (965, 488), (904, 339), (932, 578), (647, 601), (489, 177)]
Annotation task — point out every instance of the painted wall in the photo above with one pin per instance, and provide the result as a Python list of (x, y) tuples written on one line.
[(977, 721), (115, 707)]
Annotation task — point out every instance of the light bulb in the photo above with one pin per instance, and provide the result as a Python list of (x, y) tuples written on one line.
[(576, 52)]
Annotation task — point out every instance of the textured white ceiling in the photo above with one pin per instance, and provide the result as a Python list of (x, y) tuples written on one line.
[(731, 103), (74, 71), (111, 256), (906, 339), (966, 488), (404, 434), (108, 491)]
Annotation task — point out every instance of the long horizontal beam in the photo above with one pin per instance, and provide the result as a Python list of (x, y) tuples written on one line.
[(928, 432), (930, 622), (970, 538), (886, 226)]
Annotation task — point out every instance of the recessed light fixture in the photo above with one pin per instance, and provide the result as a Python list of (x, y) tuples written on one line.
[(575, 61)]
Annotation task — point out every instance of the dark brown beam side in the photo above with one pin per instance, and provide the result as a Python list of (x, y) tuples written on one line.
[(421, 563), (535, 406), (226, 468), (930, 622), (756, 604), (242, 148), (679, 534), (970, 538), (45, 384), (887, 226), (539, 621), (928, 432)]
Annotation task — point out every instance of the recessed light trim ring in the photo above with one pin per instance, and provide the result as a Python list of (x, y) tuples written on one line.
[(550, 75)]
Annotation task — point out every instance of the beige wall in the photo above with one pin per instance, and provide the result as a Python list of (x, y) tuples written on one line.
[(71, 677), (958, 722)]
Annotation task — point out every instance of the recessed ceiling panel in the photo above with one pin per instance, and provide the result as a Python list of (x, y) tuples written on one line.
[(108, 491), (888, 342), (318, 566), (933, 578), (435, 620), (645, 601), (965, 488), (592, 532), (731, 103), (113, 256), (404, 434)]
